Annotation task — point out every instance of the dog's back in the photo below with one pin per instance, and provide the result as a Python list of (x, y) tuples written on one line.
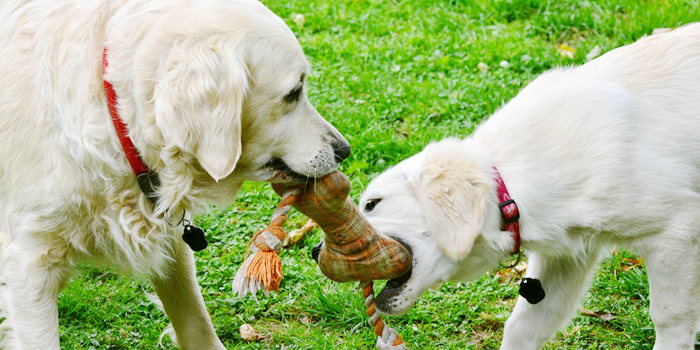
[(607, 138)]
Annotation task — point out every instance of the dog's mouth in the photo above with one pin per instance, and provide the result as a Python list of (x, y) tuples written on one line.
[(394, 286), (285, 174)]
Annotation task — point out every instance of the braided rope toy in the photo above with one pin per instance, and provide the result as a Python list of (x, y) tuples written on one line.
[(352, 250), (387, 337), (262, 269)]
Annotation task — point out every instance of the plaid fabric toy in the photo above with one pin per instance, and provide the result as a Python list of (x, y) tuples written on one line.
[(353, 249)]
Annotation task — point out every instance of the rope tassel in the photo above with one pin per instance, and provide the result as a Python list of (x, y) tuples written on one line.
[(387, 337), (262, 268)]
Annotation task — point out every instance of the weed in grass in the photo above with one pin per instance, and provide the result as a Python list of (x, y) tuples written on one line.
[(392, 76)]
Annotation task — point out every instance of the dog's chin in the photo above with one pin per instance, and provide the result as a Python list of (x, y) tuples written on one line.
[(289, 177), (394, 301), (283, 173), (394, 298)]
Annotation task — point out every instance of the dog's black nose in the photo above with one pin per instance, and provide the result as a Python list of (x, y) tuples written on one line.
[(316, 250), (342, 150)]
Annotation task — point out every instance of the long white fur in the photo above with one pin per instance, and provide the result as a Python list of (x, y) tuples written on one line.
[(201, 88), (603, 154)]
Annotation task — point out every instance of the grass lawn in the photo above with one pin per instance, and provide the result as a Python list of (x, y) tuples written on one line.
[(392, 76)]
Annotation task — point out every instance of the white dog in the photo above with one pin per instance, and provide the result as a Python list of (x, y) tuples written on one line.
[(604, 154), (212, 92)]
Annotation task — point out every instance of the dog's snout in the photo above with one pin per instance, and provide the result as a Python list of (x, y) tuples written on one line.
[(341, 150), (316, 250)]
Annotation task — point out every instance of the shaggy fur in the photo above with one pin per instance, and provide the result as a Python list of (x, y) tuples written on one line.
[(213, 94), (599, 155)]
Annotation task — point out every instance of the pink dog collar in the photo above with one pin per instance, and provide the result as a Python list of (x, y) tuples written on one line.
[(530, 288), (509, 211)]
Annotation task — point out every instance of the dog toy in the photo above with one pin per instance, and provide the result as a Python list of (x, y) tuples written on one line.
[(352, 250), (262, 269), (387, 337)]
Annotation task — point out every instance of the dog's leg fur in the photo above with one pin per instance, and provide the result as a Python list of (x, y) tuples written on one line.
[(33, 279), (674, 291), (182, 301), (564, 280)]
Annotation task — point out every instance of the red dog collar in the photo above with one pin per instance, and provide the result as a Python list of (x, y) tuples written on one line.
[(509, 211), (148, 180)]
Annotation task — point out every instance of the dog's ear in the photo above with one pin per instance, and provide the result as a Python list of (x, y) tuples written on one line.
[(452, 189), (199, 102)]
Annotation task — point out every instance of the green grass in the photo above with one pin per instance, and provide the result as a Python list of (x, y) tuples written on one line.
[(392, 76)]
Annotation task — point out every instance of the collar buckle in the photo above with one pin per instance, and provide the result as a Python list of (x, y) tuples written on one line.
[(509, 215)]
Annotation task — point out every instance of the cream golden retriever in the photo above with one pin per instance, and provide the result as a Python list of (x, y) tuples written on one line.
[(213, 93), (603, 154)]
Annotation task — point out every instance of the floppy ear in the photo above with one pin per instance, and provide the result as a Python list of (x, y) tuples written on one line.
[(452, 190), (199, 102)]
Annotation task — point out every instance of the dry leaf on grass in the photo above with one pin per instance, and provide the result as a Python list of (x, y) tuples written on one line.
[(296, 235), (660, 30), (605, 316), (506, 275), (521, 267), (248, 333), (628, 264), (595, 52)]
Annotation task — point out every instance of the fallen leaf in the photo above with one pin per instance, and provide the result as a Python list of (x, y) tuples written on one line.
[(521, 267), (628, 264), (595, 52), (296, 235), (605, 316), (506, 275), (248, 333), (660, 30)]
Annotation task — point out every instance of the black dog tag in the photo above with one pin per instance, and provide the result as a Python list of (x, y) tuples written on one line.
[(194, 237), (531, 290)]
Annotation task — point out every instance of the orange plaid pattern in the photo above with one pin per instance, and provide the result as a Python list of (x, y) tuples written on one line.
[(353, 249)]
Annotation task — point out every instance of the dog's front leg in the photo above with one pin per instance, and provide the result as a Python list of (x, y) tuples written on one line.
[(564, 281), (184, 304), (34, 276), (673, 268)]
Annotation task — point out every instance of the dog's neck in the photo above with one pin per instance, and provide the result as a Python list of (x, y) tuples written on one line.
[(508, 209), (147, 179)]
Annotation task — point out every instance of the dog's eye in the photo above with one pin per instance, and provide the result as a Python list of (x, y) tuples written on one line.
[(293, 95), (369, 206)]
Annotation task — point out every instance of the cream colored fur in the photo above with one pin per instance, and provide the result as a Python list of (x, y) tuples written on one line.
[(595, 156), (201, 87)]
